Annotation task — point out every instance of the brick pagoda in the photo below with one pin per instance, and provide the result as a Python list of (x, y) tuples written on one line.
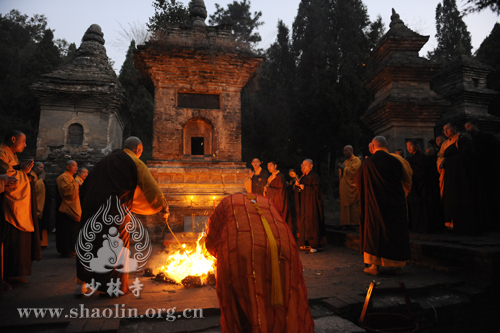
[(197, 73), (404, 107), (463, 83), (83, 106)]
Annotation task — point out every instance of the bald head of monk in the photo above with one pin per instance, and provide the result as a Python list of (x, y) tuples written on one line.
[(379, 142), (348, 151), (134, 144), (71, 167)]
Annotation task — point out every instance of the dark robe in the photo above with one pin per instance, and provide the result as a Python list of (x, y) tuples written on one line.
[(276, 191), (461, 194), (383, 228), (424, 198), (21, 248), (292, 196), (259, 181), (311, 220), (44, 222), (487, 155), (114, 176), (66, 230)]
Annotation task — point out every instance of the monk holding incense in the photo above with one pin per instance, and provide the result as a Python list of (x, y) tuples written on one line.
[(260, 285), (311, 219), (118, 183)]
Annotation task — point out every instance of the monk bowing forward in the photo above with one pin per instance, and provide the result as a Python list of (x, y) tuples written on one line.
[(260, 285)]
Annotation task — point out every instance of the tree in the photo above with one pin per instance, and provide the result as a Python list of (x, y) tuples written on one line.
[(450, 31), (28, 51), (488, 53), (168, 12), (332, 40), (269, 109), (479, 5), (239, 16), (141, 103)]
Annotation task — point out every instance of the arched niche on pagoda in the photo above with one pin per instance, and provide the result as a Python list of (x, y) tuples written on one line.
[(197, 138)]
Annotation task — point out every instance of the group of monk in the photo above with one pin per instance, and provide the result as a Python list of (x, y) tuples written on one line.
[(300, 201), (27, 207), (438, 190), (254, 236), (25, 204)]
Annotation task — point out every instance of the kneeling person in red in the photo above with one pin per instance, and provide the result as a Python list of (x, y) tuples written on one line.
[(260, 285)]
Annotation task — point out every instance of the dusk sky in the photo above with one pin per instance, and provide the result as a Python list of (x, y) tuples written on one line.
[(71, 18)]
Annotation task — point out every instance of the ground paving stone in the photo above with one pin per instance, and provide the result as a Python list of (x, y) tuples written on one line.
[(334, 278)]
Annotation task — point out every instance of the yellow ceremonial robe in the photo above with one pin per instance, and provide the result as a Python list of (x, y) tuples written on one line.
[(69, 190), (407, 174), (148, 198), (441, 158), (348, 194), (78, 178), (40, 194), (17, 202)]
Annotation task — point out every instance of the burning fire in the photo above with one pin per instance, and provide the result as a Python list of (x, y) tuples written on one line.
[(188, 261)]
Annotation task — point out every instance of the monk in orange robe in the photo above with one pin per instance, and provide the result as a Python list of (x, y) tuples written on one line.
[(349, 199), (81, 175), (69, 211), (260, 285), (20, 246), (43, 201)]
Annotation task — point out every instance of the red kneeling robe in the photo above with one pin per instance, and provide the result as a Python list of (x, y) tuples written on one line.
[(260, 285)]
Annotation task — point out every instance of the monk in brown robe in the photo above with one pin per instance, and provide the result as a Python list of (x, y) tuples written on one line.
[(256, 179), (123, 180), (383, 181), (423, 200), (348, 195), (311, 220), (260, 284), (276, 190), (69, 211), (20, 246), (461, 196)]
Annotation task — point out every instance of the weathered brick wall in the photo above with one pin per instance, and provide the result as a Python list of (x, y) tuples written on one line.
[(181, 173)]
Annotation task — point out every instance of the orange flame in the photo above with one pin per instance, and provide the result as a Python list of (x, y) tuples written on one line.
[(189, 262)]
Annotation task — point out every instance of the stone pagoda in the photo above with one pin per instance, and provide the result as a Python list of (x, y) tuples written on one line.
[(83, 106), (198, 73), (463, 83), (404, 107)]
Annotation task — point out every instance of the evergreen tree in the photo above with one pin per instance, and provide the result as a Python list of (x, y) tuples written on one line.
[(450, 30), (332, 40), (479, 5), (28, 51), (269, 109), (168, 12), (488, 53), (239, 16), (141, 103)]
